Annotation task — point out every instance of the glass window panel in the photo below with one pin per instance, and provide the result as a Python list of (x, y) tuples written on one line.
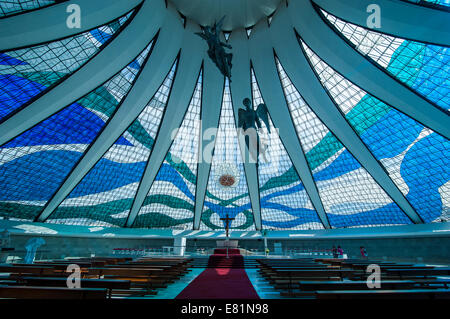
[(431, 2), (25, 73), (105, 195), (416, 158), (34, 164), (425, 68), (285, 204), (171, 199), (221, 200), (349, 194), (10, 7)]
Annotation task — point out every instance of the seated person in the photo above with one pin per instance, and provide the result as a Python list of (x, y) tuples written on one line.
[(363, 252)]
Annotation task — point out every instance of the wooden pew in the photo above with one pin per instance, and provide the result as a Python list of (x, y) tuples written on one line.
[(149, 283), (149, 278), (301, 287), (325, 274), (274, 273), (121, 276), (95, 261), (405, 273), (346, 262), (16, 269), (295, 278), (301, 273), (49, 270), (278, 271), (109, 284), (284, 273), (24, 292), (146, 265), (385, 294), (131, 272), (169, 262)]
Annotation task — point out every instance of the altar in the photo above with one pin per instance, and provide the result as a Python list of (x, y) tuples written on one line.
[(227, 243)]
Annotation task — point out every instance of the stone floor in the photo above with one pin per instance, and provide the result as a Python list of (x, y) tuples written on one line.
[(174, 289)]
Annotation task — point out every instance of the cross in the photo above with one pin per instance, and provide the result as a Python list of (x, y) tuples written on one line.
[(227, 223)]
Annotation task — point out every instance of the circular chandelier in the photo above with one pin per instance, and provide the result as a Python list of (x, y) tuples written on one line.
[(227, 175)]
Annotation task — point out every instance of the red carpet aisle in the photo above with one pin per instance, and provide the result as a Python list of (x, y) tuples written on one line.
[(225, 278)]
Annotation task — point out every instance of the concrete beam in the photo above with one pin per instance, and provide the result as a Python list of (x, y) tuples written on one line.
[(240, 89), (50, 23), (183, 86), (359, 70), (113, 58), (398, 18), (306, 82), (212, 94), (158, 65), (273, 95)]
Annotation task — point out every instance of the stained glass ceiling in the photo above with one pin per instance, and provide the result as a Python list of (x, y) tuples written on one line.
[(10, 7), (431, 2), (166, 73)]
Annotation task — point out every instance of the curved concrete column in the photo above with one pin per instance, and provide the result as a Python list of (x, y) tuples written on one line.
[(266, 71), (398, 18), (113, 58), (49, 24), (306, 82), (212, 94), (158, 65), (241, 88), (359, 70), (183, 86)]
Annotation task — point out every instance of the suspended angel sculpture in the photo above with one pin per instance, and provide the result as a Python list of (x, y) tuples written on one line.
[(250, 122), (216, 47), (31, 246)]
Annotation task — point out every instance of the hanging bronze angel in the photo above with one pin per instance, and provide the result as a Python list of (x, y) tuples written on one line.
[(249, 121), (216, 48)]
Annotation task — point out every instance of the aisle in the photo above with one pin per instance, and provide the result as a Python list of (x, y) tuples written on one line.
[(225, 279)]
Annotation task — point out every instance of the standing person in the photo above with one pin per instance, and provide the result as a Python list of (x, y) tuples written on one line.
[(363, 252), (340, 252), (335, 253)]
